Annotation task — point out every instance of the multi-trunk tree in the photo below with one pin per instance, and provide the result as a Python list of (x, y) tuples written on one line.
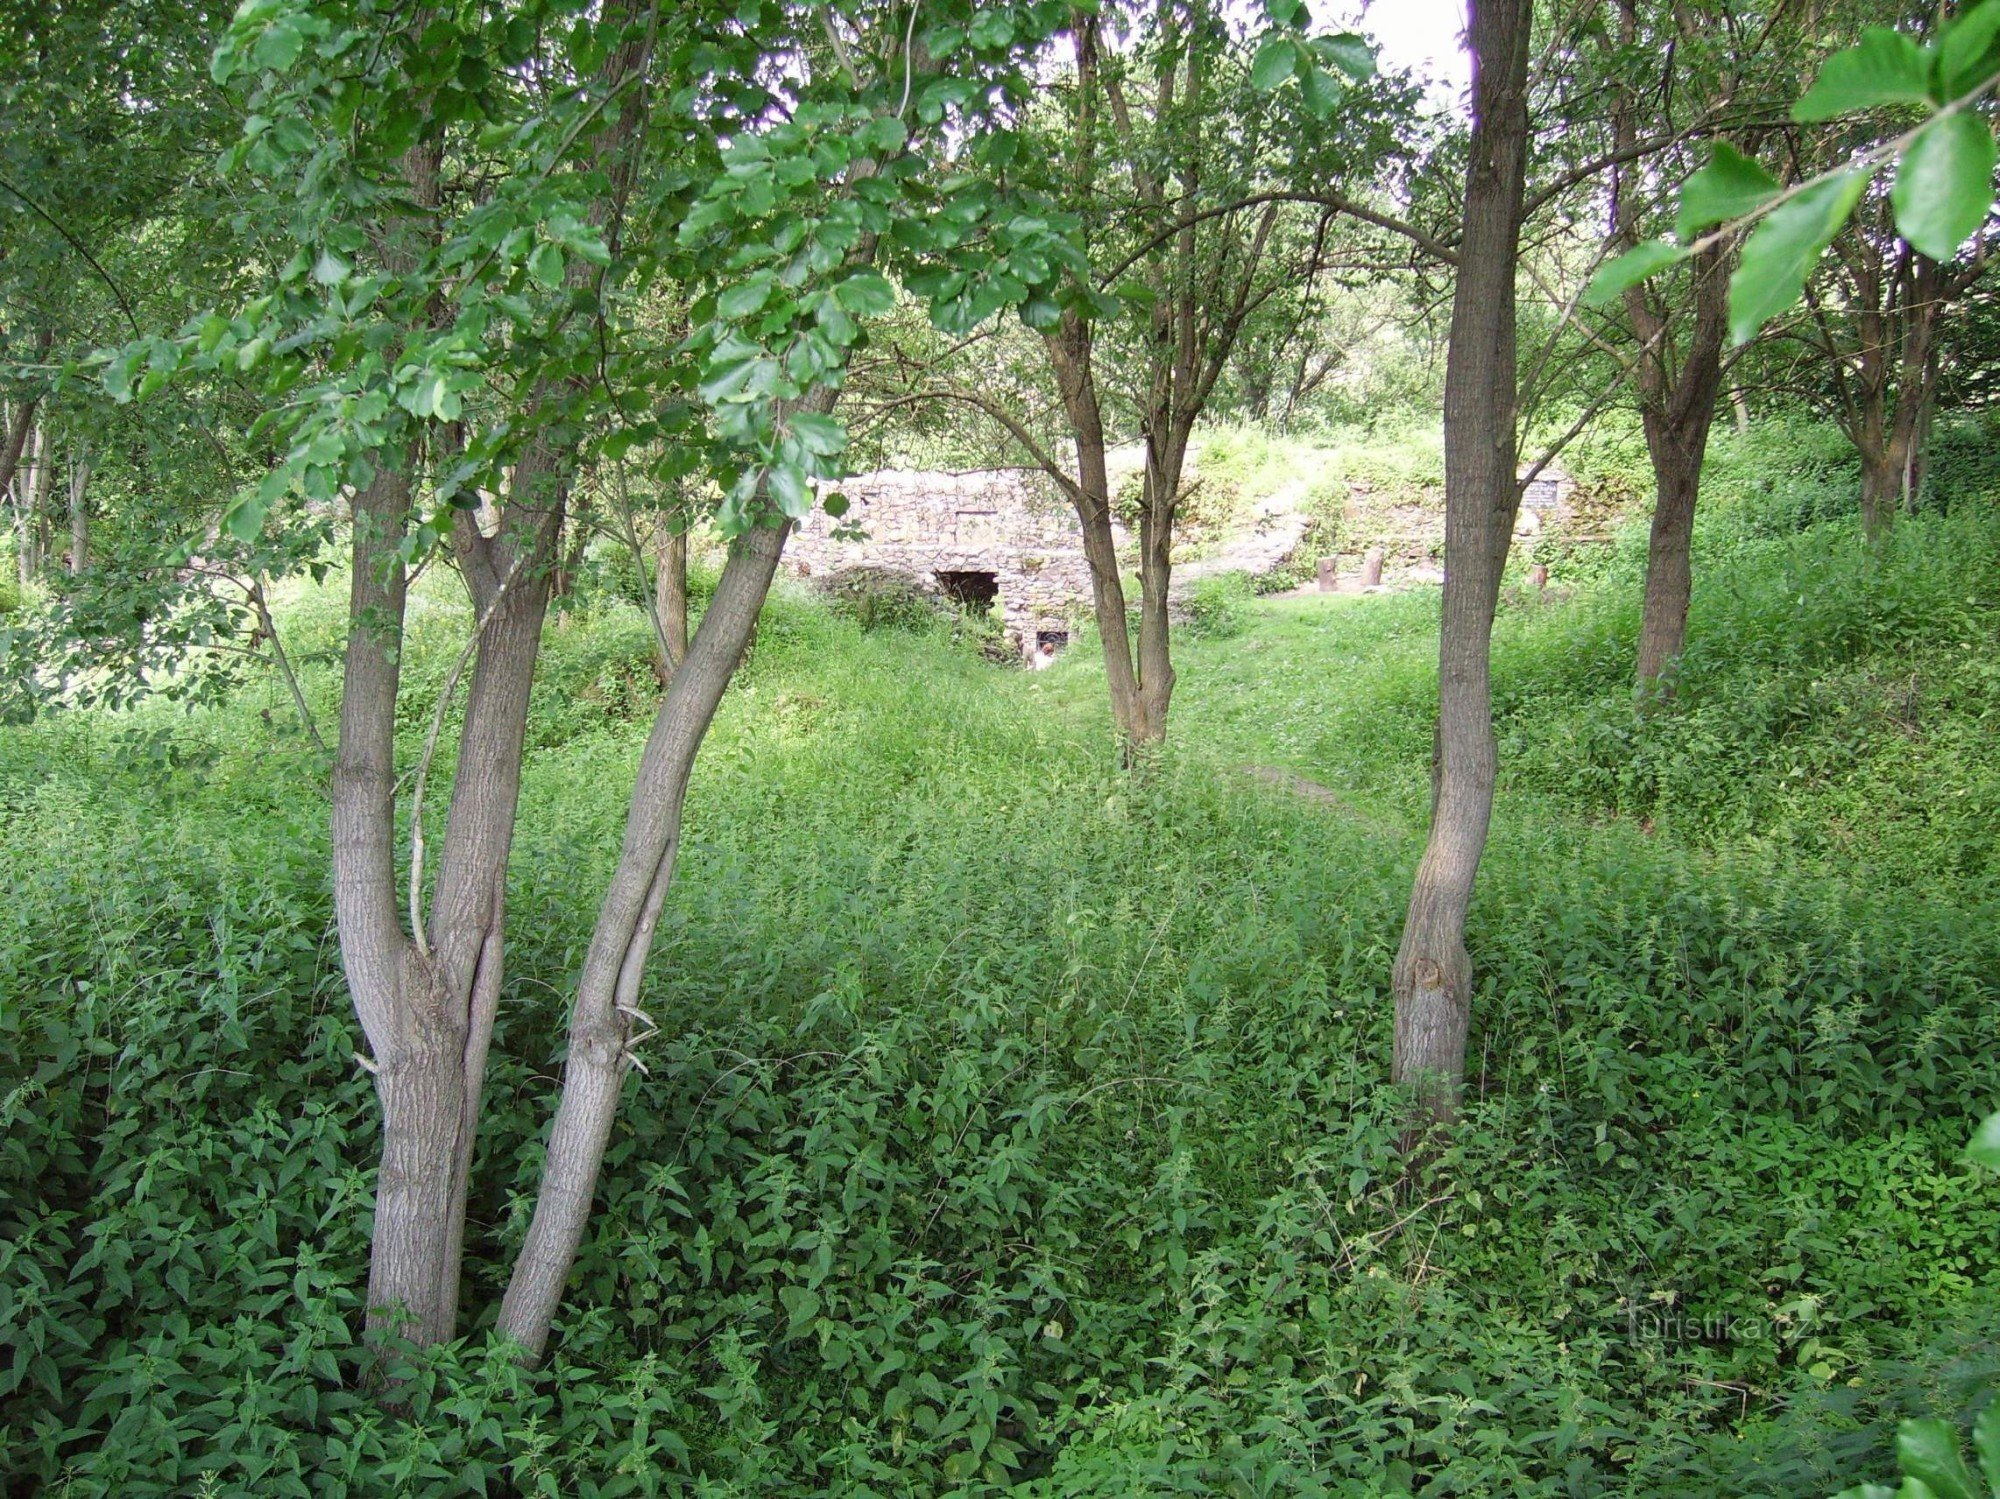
[(473, 203)]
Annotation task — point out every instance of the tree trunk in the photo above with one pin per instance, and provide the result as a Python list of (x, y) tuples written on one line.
[(1678, 413), (79, 518), (1069, 347), (1433, 972), (670, 601), (602, 1037), (1881, 485), (1742, 408), (1669, 568), (374, 952), (1166, 460), (14, 435), (34, 505)]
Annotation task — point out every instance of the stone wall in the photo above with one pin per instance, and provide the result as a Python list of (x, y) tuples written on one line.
[(1014, 525)]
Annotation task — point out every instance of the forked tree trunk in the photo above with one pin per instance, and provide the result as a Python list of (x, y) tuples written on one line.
[(427, 997), (602, 1032), (1433, 973), (427, 1007), (1886, 403)]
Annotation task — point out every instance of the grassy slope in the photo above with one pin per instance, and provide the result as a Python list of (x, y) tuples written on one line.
[(1016, 1122)]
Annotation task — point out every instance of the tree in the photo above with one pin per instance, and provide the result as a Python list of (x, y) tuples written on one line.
[(1200, 192), (1433, 974), (1679, 326), (478, 200), (1877, 312)]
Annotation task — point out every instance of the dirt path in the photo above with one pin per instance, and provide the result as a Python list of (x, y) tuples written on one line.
[(1284, 779), (1258, 543)]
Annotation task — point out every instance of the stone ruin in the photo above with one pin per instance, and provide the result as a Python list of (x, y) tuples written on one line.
[(1545, 499), (971, 538)]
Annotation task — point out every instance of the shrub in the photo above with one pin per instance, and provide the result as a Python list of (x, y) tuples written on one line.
[(880, 598), (1216, 605)]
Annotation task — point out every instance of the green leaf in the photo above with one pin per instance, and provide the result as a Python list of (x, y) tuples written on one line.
[(279, 47), (866, 294), (818, 435), (1928, 1452), (1985, 1151), (1275, 61), (787, 482), (1730, 186), (1351, 54), (746, 297), (1986, 1430), (1615, 277), (1944, 185), (802, 1306), (1781, 253), (1867, 1491), (545, 265), (1886, 67), (1965, 48), (887, 135), (1041, 311), (245, 518)]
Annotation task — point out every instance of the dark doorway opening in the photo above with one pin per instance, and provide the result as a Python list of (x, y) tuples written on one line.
[(972, 592), (1057, 638)]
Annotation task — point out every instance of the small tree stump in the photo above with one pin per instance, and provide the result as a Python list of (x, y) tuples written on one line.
[(1371, 568), (1539, 575), (1326, 579)]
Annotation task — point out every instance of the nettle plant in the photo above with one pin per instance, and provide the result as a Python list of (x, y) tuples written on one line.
[(1942, 191), (1927, 1450)]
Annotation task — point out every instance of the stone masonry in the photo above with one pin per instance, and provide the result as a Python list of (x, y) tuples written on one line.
[(952, 533)]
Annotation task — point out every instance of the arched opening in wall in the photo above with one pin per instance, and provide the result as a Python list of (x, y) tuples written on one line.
[(972, 592), (1054, 639)]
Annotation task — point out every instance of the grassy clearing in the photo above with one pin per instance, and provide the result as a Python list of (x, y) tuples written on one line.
[(1020, 1126)]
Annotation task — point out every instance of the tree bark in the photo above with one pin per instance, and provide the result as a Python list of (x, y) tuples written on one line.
[(1677, 409), (1069, 346), (602, 1035), (427, 1005), (79, 517), (34, 476), (1432, 982), (427, 998), (670, 600)]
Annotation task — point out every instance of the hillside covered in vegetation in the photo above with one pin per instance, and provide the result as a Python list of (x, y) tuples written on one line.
[(999, 747), (1018, 1124)]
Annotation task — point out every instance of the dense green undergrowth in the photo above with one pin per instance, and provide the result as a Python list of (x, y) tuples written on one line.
[(1018, 1125)]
